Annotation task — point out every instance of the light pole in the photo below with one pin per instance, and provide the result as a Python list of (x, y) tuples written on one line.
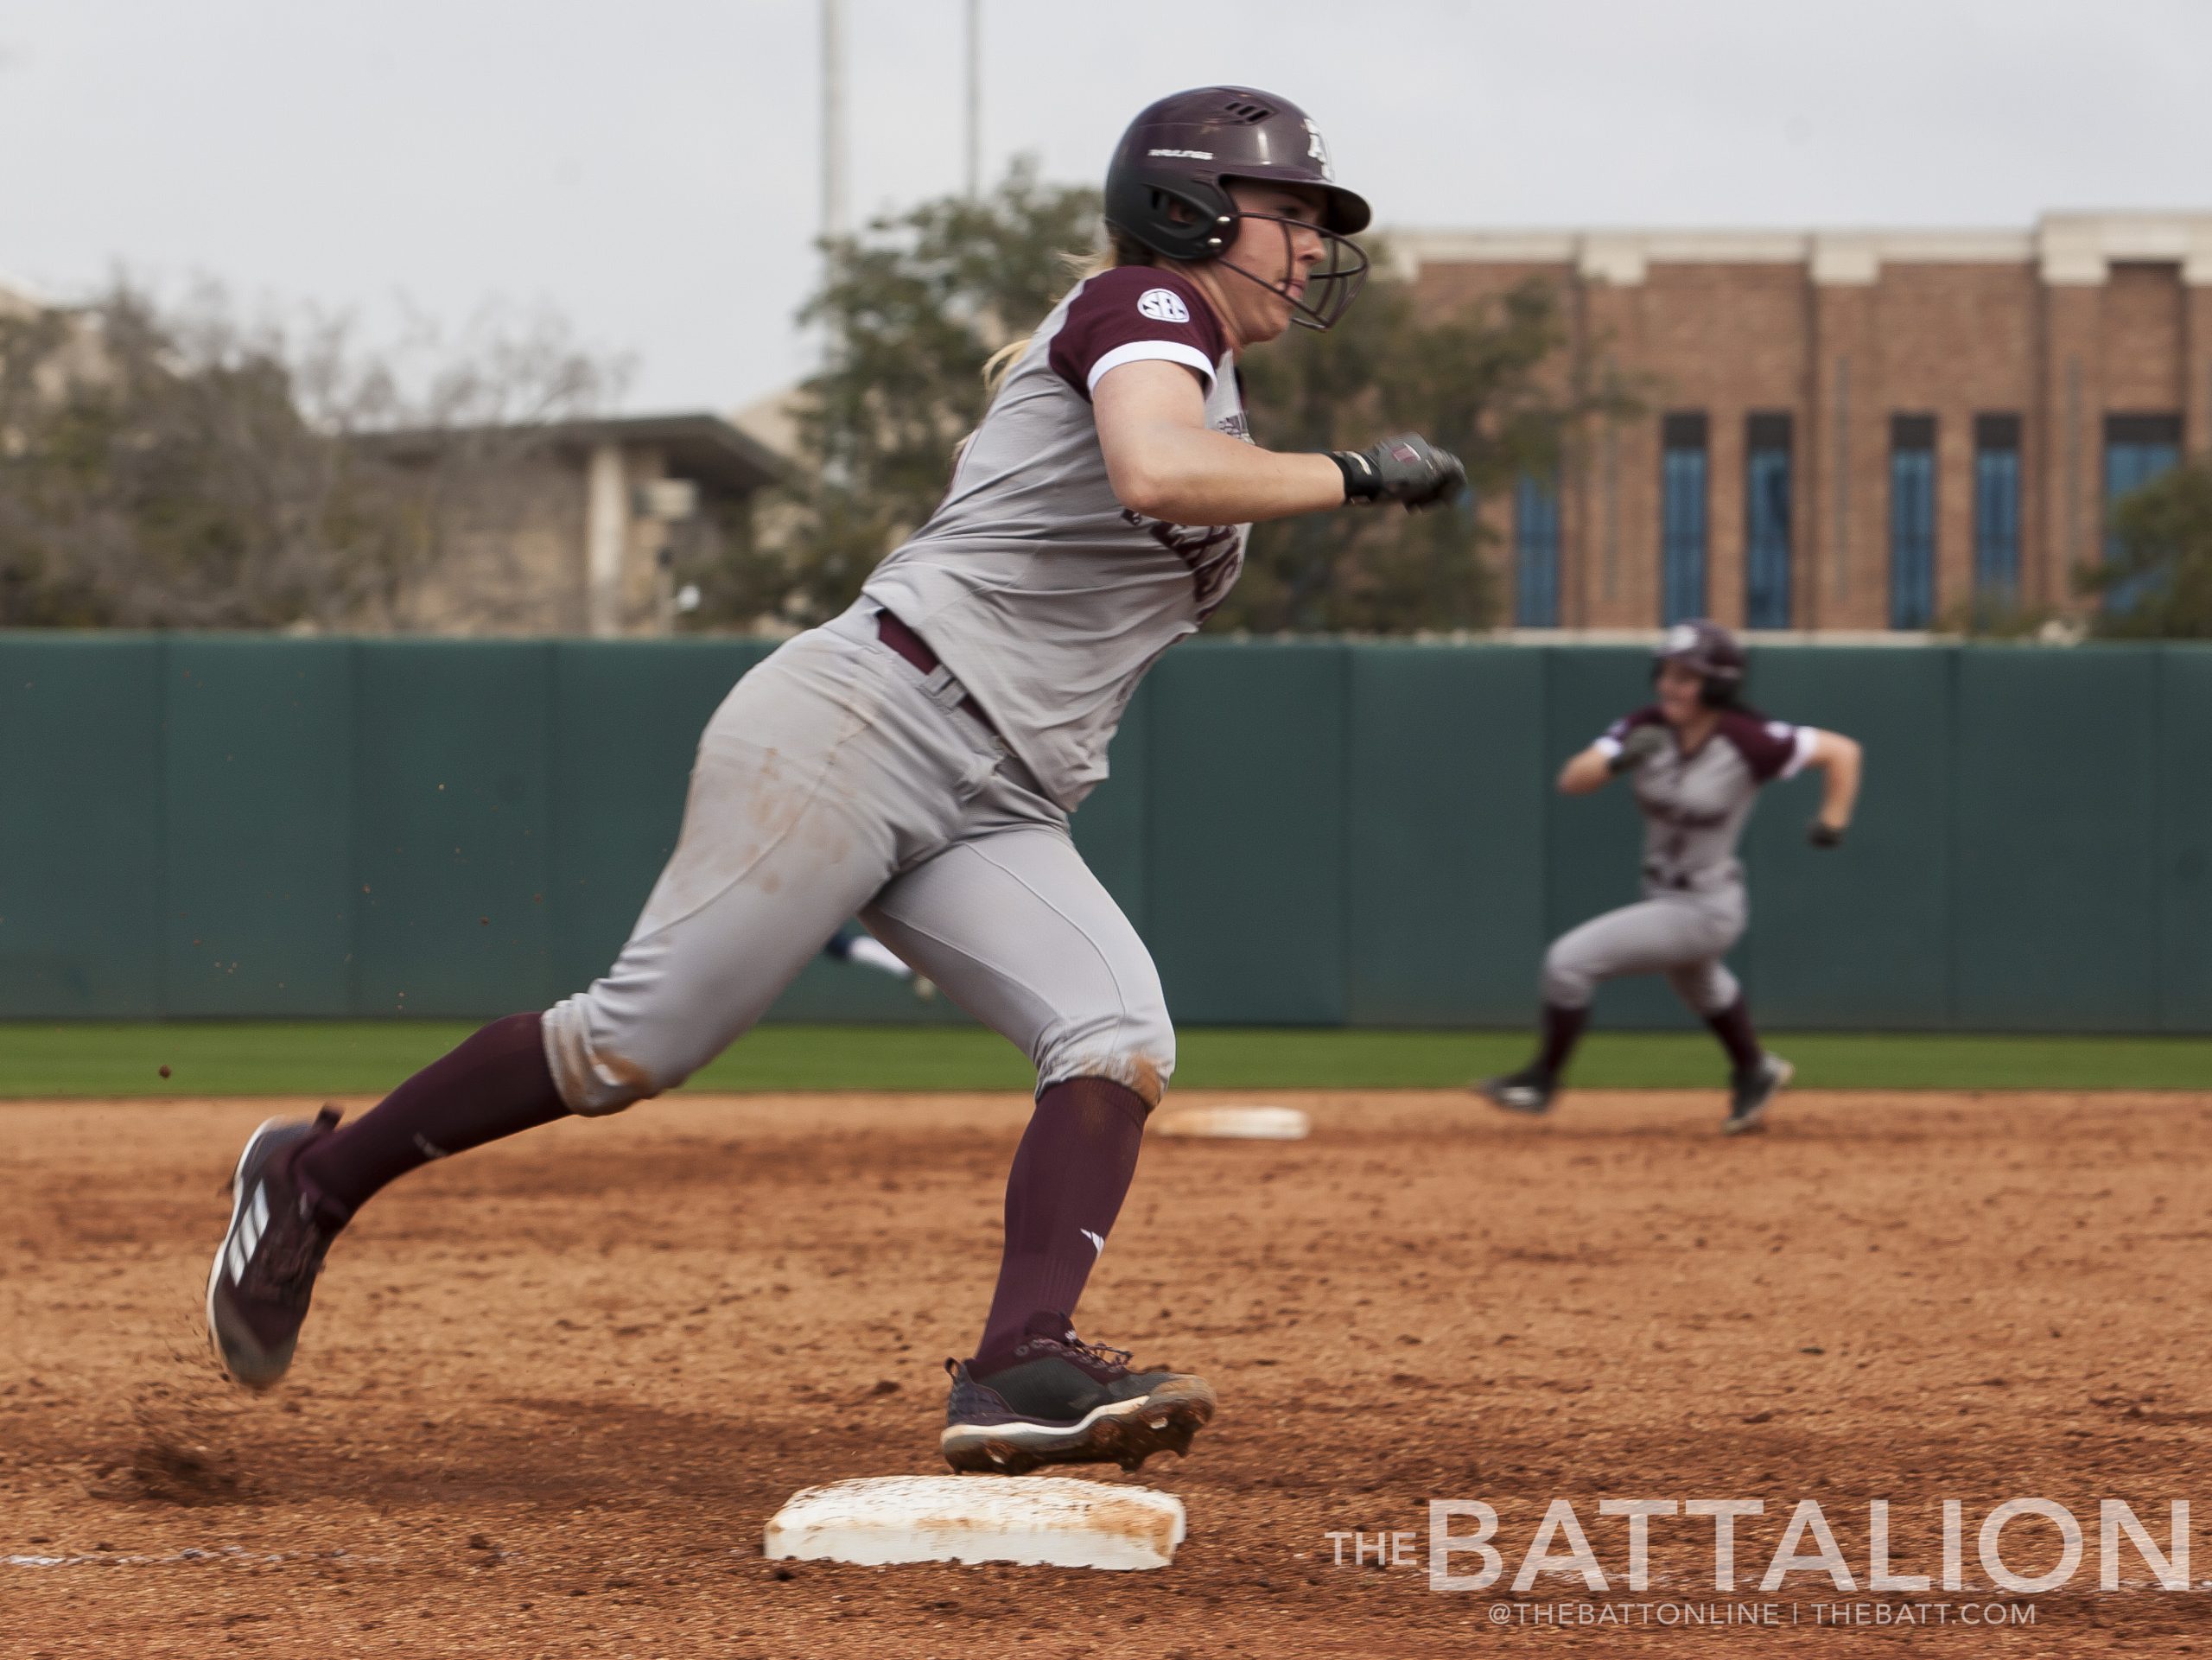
[(975, 100), (833, 119)]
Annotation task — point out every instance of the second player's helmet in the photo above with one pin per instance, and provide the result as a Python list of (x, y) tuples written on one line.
[(1168, 188), (1708, 650)]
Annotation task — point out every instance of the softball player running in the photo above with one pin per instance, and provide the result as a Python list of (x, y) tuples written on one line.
[(1698, 757), (915, 761)]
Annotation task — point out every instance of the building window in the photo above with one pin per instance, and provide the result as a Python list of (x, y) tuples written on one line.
[(1536, 552), (1766, 522), (1683, 518), (1997, 508), (1912, 521), (2137, 448)]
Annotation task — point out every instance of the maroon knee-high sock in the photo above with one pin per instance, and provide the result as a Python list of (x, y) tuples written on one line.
[(1733, 1026), (1562, 1031), (1070, 1176), (495, 1084)]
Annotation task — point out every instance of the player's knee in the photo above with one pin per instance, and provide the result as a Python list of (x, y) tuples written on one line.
[(1566, 984), (1134, 1048), (615, 1085), (1705, 987), (596, 1079), (1711, 990)]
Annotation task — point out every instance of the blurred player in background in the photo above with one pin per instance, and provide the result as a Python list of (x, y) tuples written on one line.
[(915, 761), (1697, 757), (854, 944)]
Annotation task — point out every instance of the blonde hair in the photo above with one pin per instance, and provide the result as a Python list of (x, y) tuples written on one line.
[(1120, 249)]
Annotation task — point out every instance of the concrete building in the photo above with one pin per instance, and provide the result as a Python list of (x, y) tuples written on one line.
[(17, 298), (72, 351), (1848, 430), (578, 527)]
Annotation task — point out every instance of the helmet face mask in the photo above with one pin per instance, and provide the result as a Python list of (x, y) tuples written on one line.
[(1167, 189), (1329, 288)]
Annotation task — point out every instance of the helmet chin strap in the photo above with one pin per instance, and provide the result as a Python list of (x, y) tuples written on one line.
[(1347, 282)]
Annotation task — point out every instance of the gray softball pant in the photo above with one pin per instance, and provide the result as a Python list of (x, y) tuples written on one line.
[(838, 779), (1682, 935)]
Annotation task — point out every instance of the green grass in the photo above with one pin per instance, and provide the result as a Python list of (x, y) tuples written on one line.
[(367, 1058)]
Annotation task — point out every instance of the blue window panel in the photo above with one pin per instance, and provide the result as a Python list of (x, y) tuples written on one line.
[(2137, 448), (1535, 553), (1997, 511), (1682, 532), (1766, 520), (1912, 526), (2129, 466)]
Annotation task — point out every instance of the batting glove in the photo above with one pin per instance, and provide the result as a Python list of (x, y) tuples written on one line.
[(1823, 835), (1409, 468), (1639, 747)]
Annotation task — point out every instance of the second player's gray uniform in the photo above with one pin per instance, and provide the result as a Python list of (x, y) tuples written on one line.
[(1694, 909), (839, 778)]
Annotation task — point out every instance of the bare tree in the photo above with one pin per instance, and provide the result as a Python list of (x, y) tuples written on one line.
[(181, 466)]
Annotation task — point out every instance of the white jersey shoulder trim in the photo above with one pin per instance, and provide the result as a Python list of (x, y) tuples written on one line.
[(1804, 738), (1152, 352)]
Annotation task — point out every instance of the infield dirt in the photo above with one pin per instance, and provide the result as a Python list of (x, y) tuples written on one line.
[(552, 1390)]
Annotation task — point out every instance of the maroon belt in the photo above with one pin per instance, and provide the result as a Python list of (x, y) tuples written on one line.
[(910, 645)]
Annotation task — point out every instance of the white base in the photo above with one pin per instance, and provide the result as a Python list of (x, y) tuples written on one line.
[(1234, 1123), (1050, 1520)]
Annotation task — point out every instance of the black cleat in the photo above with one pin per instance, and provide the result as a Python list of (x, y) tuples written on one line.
[(264, 1269), (1063, 1400), (1753, 1092), (1528, 1092)]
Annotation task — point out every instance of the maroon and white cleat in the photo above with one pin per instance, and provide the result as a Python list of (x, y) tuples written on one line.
[(265, 1269), (1058, 1400)]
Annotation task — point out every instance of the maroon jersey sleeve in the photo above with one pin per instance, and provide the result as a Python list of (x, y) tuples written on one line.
[(1771, 749), (1609, 742), (1134, 314)]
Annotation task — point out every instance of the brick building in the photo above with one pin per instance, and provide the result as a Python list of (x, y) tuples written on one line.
[(1849, 430)]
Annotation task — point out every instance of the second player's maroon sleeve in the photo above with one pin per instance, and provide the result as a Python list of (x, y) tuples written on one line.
[(1772, 750), (1135, 314)]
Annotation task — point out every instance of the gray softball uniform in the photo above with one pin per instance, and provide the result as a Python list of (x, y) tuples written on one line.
[(840, 776), (1041, 592), (1694, 910)]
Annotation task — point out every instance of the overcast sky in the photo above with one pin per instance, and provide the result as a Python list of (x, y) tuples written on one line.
[(649, 170)]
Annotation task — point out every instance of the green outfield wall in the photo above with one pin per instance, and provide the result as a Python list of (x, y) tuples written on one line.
[(1309, 833)]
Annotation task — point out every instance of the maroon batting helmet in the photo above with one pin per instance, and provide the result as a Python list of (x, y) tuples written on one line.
[(1708, 650), (1167, 186)]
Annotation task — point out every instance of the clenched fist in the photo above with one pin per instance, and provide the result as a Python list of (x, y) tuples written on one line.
[(1408, 469), (1639, 747)]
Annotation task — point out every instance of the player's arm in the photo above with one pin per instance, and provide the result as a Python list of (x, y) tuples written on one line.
[(1839, 759), (1166, 462), (1590, 770), (1628, 745)]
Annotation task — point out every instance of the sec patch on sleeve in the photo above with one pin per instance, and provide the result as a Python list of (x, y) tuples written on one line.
[(1163, 305)]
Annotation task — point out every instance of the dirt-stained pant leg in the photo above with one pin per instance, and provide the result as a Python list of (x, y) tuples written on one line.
[(1016, 929), (1683, 936), (815, 778)]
